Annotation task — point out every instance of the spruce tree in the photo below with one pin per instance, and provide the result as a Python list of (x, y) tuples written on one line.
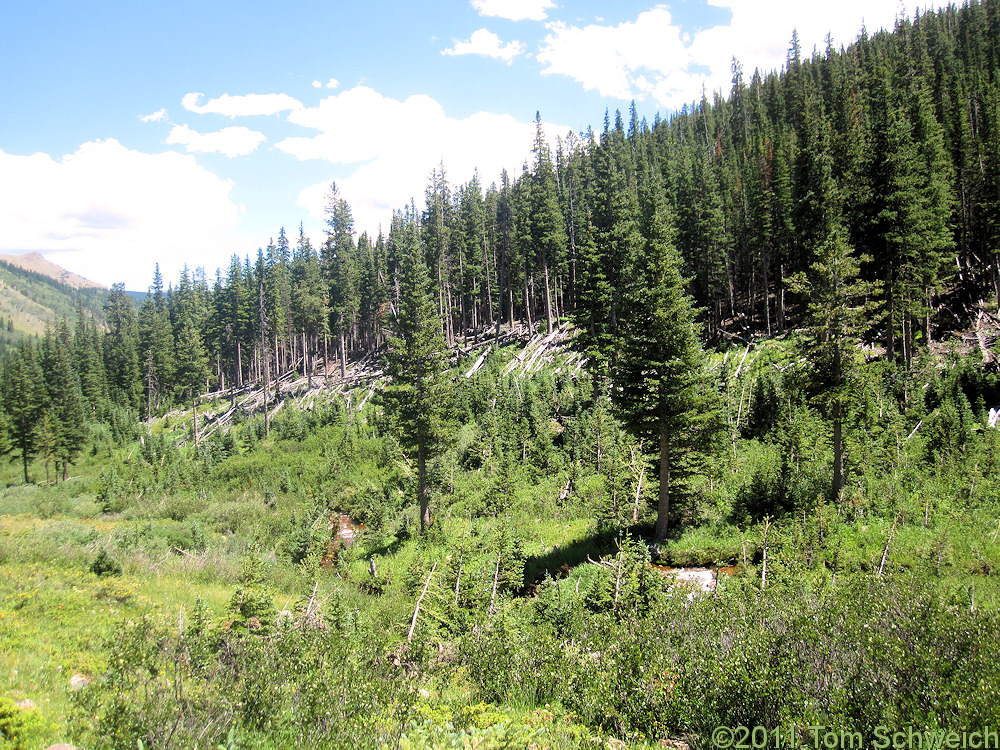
[(545, 221), (838, 311), (24, 402), (121, 349), (419, 392), (340, 269), (659, 379)]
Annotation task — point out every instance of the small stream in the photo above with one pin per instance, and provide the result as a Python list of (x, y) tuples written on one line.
[(703, 579), (343, 532)]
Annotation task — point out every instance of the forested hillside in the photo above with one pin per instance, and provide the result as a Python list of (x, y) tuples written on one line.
[(892, 144), (429, 488), (29, 298)]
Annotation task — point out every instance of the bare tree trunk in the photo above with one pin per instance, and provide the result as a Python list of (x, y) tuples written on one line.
[(638, 488), (838, 449), (263, 357), (890, 332), (277, 373), (663, 508), (416, 610), (423, 491), (343, 351), (527, 305), (548, 297), (496, 577), (458, 578), (194, 410)]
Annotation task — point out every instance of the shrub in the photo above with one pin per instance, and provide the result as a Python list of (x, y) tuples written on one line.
[(105, 565)]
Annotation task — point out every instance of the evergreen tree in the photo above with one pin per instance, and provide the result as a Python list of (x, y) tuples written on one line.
[(121, 349), (838, 311), (65, 398), (419, 393), (340, 269), (308, 299), (546, 225), (659, 381), (24, 402), (156, 342)]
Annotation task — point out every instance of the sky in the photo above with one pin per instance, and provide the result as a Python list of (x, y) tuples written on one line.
[(181, 133)]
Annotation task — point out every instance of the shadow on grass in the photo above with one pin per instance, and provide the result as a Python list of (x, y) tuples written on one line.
[(559, 561)]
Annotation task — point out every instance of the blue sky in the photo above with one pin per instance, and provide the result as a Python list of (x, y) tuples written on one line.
[(184, 132)]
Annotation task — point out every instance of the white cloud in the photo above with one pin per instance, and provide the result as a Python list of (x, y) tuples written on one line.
[(155, 117), (110, 213), (234, 141), (331, 84), (610, 59), (757, 41), (514, 10), (397, 144), (488, 44), (241, 106), (652, 58)]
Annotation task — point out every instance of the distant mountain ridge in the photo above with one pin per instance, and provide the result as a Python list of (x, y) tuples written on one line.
[(38, 263)]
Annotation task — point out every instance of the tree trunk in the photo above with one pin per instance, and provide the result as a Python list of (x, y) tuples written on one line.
[(527, 306), (343, 352), (277, 373), (194, 410), (423, 492), (838, 448), (890, 332), (305, 361), (663, 509), (548, 297), (239, 364)]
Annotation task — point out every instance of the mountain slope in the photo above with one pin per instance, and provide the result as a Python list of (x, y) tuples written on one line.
[(38, 263), (35, 291)]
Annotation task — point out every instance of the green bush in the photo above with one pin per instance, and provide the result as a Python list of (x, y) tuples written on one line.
[(20, 728), (105, 565)]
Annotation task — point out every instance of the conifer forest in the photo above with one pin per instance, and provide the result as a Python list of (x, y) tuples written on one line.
[(683, 436)]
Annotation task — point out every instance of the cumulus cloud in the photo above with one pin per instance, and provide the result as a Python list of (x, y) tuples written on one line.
[(514, 10), (331, 84), (397, 144), (652, 58), (234, 141), (488, 44), (757, 41), (612, 59), (241, 106), (110, 213), (155, 117)]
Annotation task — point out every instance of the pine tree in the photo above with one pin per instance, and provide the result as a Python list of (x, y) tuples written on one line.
[(659, 380), (121, 349), (340, 269), (24, 402), (308, 300), (838, 311), (65, 407), (156, 342), (419, 392), (546, 225)]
